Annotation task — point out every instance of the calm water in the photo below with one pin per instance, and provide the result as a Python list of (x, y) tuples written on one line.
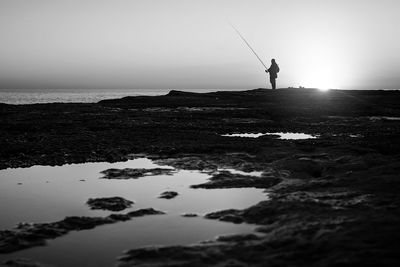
[(47, 194), (31, 96)]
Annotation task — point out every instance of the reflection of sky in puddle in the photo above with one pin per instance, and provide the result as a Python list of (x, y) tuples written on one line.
[(384, 118), (254, 173), (355, 135), (348, 135), (285, 136), (48, 194)]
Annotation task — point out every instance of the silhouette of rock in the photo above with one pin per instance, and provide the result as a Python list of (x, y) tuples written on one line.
[(27, 235), (234, 216), (302, 167), (188, 163), (23, 263), (225, 179), (143, 212), (168, 194), (238, 238), (129, 173), (109, 203), (189, 215)]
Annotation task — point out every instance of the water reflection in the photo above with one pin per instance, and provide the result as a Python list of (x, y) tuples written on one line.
[(282, 135), (374, 118), (48, 194)]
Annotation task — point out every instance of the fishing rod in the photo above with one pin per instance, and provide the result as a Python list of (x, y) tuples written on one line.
[(247, 43)]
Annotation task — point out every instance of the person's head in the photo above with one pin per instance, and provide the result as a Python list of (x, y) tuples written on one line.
[(273, 61)]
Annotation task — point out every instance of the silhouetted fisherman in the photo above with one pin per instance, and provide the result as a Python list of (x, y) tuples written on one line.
[(273, 73)]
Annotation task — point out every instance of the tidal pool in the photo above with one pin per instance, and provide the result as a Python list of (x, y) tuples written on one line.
[(48, 194), (374, 118), (284, 136)]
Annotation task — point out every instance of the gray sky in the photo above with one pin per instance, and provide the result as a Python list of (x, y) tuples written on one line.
[(189, 44)]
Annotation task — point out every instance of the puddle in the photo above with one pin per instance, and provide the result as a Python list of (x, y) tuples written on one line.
[(348, 135), (374, 118), (48, 194), (284, 136), (253, 173)]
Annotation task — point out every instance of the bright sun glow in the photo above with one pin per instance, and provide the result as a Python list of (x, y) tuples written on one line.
[(319, 76), (322, 65), (324, 89)]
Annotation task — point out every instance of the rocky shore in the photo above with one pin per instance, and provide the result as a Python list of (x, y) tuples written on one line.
[(333, 200)]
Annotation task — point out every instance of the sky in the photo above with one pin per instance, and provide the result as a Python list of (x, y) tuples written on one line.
[(189, 44)]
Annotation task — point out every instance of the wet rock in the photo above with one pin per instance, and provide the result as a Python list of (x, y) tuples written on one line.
[(344, 159), (232, 215), (23, 263), (225, 179), (294, 243), (188, 163), (238, 238), (189, 215), (335, 199), (170, 256), (231, 218), (75, 223), (109, 203), (302, 167), (26, 235), (129, 173), (168, 194), (144, 212), (120, 217), (269, 211)]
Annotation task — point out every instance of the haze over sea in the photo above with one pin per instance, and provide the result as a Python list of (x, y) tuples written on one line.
[(33, 96)]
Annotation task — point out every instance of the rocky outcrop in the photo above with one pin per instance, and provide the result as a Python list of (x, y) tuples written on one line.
[(109, 203), (168, 194), (27, 235), (129, 173), (225, 179)]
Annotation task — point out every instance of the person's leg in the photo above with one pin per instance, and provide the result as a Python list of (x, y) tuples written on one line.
[(273, 83)]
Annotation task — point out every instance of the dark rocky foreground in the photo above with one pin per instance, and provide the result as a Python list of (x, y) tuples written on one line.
[(333, 201), (27, 235)]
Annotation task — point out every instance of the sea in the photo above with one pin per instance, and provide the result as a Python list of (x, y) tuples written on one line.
[(34, 96)]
